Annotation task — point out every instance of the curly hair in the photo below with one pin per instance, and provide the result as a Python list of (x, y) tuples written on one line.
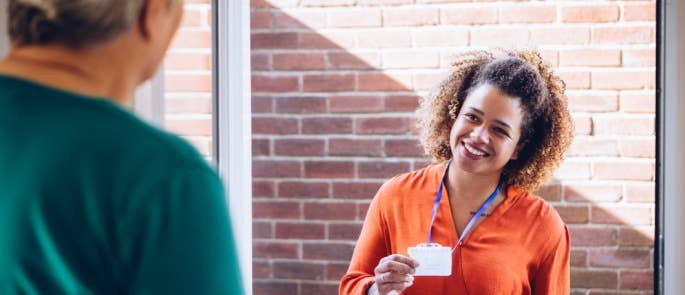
[(546, 129)]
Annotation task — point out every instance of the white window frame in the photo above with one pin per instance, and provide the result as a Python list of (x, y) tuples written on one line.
[(148, 99), (4, 34), (671, 186), (232, 133)]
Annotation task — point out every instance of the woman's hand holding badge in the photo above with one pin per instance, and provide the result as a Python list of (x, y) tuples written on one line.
[(394, 273)]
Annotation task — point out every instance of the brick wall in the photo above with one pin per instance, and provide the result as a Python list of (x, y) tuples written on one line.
[(335, 84)]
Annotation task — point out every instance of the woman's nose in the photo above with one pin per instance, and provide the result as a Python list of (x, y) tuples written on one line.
[(480, 133)]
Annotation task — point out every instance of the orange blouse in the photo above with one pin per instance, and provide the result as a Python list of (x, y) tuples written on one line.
[(521, 248)]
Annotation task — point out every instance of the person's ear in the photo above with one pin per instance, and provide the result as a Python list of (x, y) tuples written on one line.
[(144, 20)]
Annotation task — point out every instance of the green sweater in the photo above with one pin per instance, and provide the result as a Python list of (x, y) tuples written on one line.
[(95, 201)]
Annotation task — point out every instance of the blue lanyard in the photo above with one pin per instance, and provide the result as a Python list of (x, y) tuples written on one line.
[(473, 220)]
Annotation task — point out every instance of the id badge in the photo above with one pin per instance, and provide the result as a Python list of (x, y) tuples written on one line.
[(434, 260)]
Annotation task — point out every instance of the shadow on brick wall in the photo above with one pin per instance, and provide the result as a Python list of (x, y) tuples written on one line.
[(331, 122)]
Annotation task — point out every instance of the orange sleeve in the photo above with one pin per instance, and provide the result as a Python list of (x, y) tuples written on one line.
[(553, 276), (370, 248)]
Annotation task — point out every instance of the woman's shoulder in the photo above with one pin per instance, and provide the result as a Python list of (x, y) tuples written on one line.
[(543, 216), (408, 183)]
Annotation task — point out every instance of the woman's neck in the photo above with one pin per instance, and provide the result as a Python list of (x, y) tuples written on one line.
[(468, 187)]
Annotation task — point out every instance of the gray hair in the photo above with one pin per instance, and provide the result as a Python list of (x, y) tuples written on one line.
[(75, 23)]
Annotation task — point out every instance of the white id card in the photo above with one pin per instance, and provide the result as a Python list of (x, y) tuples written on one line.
[(434, 260)]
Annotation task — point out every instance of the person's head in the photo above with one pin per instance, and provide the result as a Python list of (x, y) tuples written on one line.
[(499, 112), (88, 24)]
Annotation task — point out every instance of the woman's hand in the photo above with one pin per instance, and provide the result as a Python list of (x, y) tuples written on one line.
[(394, 273)]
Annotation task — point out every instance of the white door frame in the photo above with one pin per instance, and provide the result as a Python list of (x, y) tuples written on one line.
[(232, 134), (671, 144)]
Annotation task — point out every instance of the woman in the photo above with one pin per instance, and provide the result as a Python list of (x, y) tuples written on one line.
[(93, 200), (499, 125)]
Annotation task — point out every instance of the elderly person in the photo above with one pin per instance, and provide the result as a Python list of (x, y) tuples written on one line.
[(498, 126), (93, 200)]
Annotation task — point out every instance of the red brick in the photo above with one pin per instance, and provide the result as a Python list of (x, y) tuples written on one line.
[(590, 14), (327, 40), (262, 189), (403, 148), (590, 57), (621, 215), (354, 17), (645, 11), (550, 192), (384, 39), (623, 125), (262, 230), (329, 125), (575, 79), (410, 59), (262, 104), (573, 170), (329, 251), (318, 288), (362, 209), (190, 127), (600, 279), (636, 236), (440, 37), (619, 258), (178, 82), (441, 1), (636, 280), (382, 125), (638, 147), (271, 125), (560, 36), (381, 169), (261, 269), (383, 3), (550, 56), (192, 39), (587, 192), (584, 236), (623, 80), (256, 4), (298, 270), (500, 37), (428, 80), (298, 61), (299, 147), (274, 287), (298, 19), (300, 105), (275, 168), (401, 103), (260, 19), (640, 192), (639, 57), (356, 104), (578, 258), (187, 61), (274, 40), (269, 83), (335, 271), (354, 147), (638, 102), (383, 82), (273, 249), (573, 214), (410, 16), (624, 170), (326, 3), (355, 190), (328, 82), (300, 230), (468, 15), (623, 35), (260, 61), (591, 146), (191, 18), (329, 211), (353, 61), (261, 147), (527, 14), (276, 210), (299, 189), (328, 169), (592, 101), (344, 231)]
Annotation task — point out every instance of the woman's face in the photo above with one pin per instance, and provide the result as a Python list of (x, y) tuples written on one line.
[(486, 132)]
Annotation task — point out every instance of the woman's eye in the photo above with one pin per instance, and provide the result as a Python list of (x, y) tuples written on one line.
[(471, 117), (501, 131)]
